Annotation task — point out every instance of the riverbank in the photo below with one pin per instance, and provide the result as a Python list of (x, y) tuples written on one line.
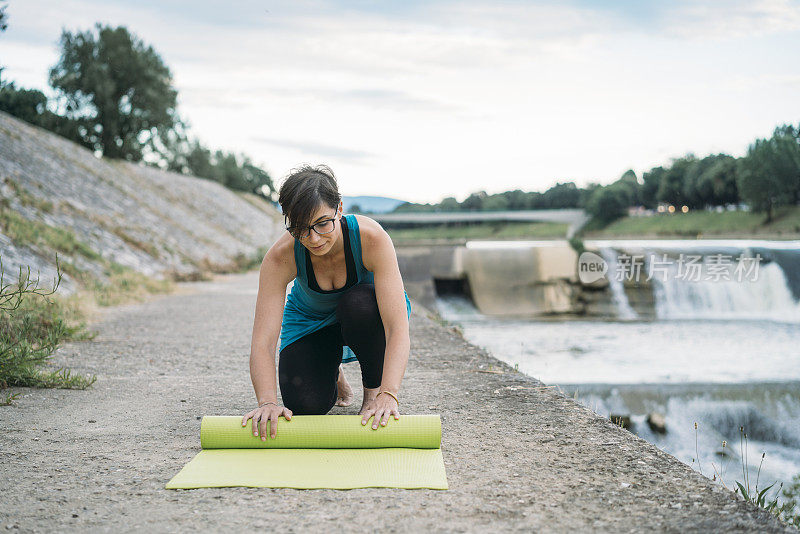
[(697, 224), (703, 224), (519, 454)]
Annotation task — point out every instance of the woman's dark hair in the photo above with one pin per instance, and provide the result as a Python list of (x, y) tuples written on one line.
[(304, 190)]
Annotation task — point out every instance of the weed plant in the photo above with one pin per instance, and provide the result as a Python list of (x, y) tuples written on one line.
[(32, 327), (788, 512)]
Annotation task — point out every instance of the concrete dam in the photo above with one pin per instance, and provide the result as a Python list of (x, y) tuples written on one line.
[(645, 279)]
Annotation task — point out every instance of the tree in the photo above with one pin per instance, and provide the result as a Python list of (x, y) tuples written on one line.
[(693, 196), (516, 199), (651, 185), (769, 175), (495, 203), (118, 88), (608, 203), (258, 180), (671, 187), (629, 183), (228, 169), (785, 143), (474, 202), (562, 195), (449, 204), (757, 182), (3, 26), (716, 184), (30, 105), (25, 104), (199, 163), (586, 193), (535, 200)]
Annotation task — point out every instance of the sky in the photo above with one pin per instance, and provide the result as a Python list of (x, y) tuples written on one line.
[(423, 100)]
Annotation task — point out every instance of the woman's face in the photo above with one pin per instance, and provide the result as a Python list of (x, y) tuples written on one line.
[(317, 244)]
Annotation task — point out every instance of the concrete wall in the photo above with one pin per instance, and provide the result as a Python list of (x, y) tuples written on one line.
[(524, 281), (519, 280)]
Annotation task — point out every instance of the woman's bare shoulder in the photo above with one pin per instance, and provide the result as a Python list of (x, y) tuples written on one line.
[(280, 256), (373, 237), (369, 228)]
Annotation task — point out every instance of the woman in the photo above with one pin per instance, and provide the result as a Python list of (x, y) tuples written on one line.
[(347, 303)]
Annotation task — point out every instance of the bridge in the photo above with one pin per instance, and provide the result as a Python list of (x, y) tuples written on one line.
[(575, 218)]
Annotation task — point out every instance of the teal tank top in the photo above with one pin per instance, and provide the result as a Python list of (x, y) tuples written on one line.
[(308, 308)]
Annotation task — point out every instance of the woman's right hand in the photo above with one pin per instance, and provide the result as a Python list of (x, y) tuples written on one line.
[(260, 416)]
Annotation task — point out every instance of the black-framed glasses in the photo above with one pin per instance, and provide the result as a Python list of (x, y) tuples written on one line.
[(322, 227)]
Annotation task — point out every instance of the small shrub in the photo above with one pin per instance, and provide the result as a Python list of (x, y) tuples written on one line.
[(32, 326)]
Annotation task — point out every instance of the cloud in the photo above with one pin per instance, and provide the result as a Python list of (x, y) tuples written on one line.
[(440, 98), (732, 19), (376, 98), (316, 149)]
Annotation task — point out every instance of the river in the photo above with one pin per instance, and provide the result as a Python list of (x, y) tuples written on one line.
[(723, 354)]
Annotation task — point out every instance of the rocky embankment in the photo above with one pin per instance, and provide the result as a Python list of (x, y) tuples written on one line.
[(100, 215)]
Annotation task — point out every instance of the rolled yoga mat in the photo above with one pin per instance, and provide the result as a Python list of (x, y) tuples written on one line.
[(318, 451)]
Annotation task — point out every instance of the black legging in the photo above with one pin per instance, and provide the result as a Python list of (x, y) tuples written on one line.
[(309, 367)]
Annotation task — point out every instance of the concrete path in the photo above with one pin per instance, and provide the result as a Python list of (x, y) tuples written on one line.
[(519, 456)]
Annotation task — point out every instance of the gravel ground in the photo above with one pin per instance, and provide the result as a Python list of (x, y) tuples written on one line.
[(520, 456)]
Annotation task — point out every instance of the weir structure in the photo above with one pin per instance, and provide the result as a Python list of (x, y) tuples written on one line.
[(645, 279)]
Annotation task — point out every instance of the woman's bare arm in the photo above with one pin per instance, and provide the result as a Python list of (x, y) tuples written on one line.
[(277, 270), (380, 258)]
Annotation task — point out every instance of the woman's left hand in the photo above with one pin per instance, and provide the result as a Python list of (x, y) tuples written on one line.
[(381, 407)]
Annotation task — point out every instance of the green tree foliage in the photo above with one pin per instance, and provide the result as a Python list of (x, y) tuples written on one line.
[(200, 162), (671, 187), (449, 204), (517, 199), (611, 202), (608, 203), (651, 183), (561, 195), (629, 182), (118, 88), (26, 104), (756, 181), (770, 173), (3, 26), (235, 172), (115, 96), (786, 160), (30, 105), (712, 182), (586, 193), (495, 203), (692, 172), (474, 202), (257, 179)]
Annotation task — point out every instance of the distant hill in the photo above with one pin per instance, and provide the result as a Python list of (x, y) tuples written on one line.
[(370, 204)]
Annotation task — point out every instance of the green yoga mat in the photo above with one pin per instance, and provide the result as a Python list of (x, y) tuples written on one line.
[(318, 451)]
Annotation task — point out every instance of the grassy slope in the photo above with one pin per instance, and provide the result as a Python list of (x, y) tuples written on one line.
[(786, 225)]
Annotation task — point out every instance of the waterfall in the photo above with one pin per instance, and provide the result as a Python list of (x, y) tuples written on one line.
[(716, 292), (624, 309), (766, 297)]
